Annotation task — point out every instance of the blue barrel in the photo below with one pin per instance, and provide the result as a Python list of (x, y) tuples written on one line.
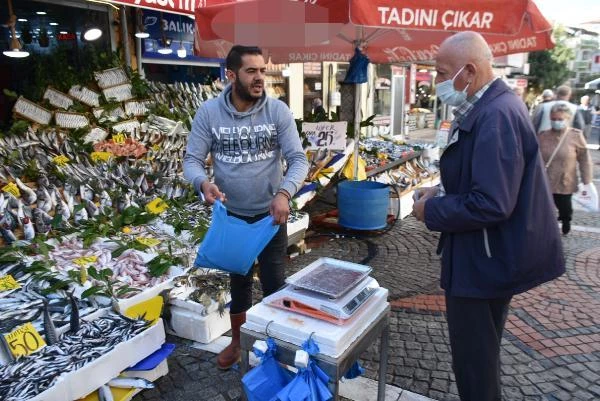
[(363, 205)]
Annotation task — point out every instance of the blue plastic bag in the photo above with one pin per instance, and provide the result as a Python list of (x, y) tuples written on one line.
[(357, 72), (264, 381), (231, 244), (310, 383)]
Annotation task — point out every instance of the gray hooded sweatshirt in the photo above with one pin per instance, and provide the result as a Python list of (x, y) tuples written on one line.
[(247, 150)]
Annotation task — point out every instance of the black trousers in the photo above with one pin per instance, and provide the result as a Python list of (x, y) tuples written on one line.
[(475, 327), (272, 270), (564, 205)]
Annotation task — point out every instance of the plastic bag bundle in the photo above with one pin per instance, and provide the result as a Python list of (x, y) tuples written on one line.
[(310, 383), (231, 244), (264, 381)]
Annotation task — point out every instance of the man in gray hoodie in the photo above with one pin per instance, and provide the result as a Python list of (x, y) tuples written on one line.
[(248, 134)]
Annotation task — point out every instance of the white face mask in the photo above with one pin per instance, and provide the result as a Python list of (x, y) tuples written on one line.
[(446, 93), (558, 125)]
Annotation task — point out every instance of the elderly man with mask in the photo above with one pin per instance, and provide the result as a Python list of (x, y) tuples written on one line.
[(499, 235)]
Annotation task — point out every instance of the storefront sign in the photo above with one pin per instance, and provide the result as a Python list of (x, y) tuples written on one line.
[(326, 135), (66, 36), (186, 7), (173, 26), (24, 340)]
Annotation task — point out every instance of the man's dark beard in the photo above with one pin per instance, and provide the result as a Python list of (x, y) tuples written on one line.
[(244, 94)]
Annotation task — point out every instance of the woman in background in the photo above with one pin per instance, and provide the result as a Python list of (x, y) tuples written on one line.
[(563, 148)]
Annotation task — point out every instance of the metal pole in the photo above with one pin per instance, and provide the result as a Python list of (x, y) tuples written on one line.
[(357, 119), (125, 37)]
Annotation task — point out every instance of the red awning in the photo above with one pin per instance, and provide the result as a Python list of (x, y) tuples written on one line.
[(294, 31)]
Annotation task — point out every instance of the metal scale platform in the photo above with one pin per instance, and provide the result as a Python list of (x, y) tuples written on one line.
[(328, 289)]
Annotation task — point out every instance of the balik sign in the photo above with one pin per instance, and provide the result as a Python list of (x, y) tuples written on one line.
[(175, 27)]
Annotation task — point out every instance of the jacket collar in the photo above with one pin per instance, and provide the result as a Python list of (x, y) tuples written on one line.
[(497, 88)]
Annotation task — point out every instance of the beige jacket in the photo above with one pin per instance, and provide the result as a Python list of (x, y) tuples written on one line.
[(562, 172)]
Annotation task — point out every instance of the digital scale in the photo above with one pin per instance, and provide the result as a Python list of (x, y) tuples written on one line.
[(327, 289)]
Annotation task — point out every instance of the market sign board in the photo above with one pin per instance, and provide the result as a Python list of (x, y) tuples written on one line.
[(185, 7), (326, 135)]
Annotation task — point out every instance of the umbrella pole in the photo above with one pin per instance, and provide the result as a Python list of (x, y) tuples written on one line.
[(357, 118)]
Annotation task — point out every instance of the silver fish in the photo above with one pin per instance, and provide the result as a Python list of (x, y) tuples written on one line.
[(104, 393), (130, 382)]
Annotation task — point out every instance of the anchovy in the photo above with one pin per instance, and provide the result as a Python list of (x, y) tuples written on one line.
[(74, 323), (130, 382)]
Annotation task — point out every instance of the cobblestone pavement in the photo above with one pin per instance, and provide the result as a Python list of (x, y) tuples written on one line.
[(551, 345)]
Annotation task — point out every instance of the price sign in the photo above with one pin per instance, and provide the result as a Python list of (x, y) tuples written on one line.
[(85, 260), (12, 188), (326, 135), (101, 156), (148, 241), (8, 283), (118, 138), (156, 147), (24, 340), (157, 206), (60, 160)]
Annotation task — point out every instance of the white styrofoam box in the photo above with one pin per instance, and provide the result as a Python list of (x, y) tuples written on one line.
[(162, 369), (181, 301), (151, 292), (298, 225), (193, 326), (295, 328), (79, 383)]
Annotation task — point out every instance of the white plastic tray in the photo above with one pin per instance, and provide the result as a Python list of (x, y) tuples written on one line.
[(331, 289), (294, 328)]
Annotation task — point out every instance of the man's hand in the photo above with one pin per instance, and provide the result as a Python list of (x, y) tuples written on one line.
[(211, 193), (280, 209), (419, 209)]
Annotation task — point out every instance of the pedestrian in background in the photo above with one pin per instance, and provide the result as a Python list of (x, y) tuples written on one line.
[(499, 235), (247, 135), (563, 148), (541, 119), (586, 111)]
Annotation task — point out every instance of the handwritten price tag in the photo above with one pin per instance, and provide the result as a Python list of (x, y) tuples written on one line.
[(118, 138), (148, 241), (101, 156), (326, 135), (156, 147), (8, 283), (157, 206), (12, 188), (24, 340), (85, 260), (60, 160)]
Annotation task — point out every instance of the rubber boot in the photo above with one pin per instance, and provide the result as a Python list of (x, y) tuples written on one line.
[(231, 354)]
